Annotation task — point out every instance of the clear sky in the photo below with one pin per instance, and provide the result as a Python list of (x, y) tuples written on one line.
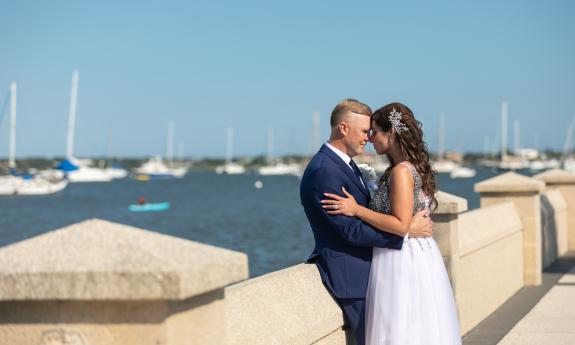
[(206, 65)]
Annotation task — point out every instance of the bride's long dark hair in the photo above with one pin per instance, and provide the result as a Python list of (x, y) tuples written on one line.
[(412, 145)]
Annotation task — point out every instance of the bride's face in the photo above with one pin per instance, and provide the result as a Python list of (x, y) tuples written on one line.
[(381, 140)]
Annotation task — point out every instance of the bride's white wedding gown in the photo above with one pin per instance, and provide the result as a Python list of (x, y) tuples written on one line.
[(409, 297)]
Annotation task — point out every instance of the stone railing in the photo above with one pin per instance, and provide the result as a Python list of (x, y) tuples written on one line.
[(553, 226), (290, 306), (481, 248), (564, 182), (525, 193), (491, 261), (98, 282)]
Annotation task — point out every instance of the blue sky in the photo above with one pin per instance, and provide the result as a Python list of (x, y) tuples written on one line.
[(254, 65)]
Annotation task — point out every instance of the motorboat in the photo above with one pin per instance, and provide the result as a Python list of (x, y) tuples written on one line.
[(230, 169), (280, 169), (155, 168), (462, 172)]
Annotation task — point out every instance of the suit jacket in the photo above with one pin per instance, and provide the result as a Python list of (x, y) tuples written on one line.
[(343, 245)]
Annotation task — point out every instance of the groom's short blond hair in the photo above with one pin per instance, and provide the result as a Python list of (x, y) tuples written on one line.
[(348, 105)]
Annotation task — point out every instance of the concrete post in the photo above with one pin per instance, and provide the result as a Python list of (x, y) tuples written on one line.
[(565, 182), (525, 193), (446, 232), (98, 282)]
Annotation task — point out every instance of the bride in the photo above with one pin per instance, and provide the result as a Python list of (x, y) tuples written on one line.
[(409, 297)]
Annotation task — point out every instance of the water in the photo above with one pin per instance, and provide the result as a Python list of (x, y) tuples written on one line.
[(268, 224)]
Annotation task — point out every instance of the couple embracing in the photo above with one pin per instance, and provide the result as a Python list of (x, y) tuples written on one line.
[(375, 253)]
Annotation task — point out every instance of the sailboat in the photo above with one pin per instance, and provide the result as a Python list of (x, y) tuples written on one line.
[(155, 168), (278, 168), (508, 162), (442, 165), (77, 170), (230, 168), (569, 162), (21, 184)]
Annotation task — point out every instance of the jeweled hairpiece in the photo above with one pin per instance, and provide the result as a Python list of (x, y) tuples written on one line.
[(395, 119)]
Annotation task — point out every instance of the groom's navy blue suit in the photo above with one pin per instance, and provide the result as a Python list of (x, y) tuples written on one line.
[(343, 245)]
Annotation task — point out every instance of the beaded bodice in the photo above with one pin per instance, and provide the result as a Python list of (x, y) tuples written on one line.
[(381, 202)]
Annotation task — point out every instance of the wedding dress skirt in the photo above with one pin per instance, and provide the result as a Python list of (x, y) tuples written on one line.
[(409, 297)]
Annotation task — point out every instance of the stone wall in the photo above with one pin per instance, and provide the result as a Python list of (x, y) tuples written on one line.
[(490, 263), (553, 226)]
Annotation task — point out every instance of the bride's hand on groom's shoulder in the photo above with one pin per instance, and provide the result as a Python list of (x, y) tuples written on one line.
[(421, 225), (336, 204)]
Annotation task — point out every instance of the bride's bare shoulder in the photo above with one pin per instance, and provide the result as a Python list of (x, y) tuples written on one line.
[(401, 175)]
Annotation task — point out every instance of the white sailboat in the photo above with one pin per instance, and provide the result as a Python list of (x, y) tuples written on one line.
[(462, 172), (230, 168), (155, 168), (442, 165), (75, 169), (278, 168), (24, 184), (508, 162)]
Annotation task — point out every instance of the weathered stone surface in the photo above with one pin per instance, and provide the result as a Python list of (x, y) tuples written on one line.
[(289, 307), (509, 182), (487, 225), (556, 176), (450, 204), (101, 260), (491, 262)]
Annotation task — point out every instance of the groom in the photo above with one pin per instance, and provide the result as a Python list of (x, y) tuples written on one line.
[(343, 245)]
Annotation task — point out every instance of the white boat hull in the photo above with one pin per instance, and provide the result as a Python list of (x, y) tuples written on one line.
[(230, 169), (444, 166), (280, 169), (462, 172), (15, 185), (155, 167), (86, 174)]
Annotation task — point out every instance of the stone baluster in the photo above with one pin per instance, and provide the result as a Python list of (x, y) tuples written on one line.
[(98, 282), (446, 232), (565, 182), (524, 192)]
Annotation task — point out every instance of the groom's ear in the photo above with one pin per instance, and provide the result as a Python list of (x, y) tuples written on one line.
[(343, 128)]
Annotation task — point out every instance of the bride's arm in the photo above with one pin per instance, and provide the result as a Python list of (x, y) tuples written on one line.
[(401, 194)]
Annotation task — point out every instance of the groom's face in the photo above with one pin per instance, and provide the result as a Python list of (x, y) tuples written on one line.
[(357, 133)]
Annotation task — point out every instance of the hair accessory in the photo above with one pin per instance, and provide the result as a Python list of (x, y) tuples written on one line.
[(395, 119)]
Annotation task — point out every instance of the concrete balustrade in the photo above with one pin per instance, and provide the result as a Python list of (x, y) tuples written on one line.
[(553, 226), (290, 306), (98, 282), (446, 231), (525, 193), (490, 261), (564, 182)]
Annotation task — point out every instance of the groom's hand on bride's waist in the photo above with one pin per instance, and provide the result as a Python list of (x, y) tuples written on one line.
[(421, 225)]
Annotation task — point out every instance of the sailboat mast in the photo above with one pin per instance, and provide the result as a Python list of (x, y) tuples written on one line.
[(504, 131), (72, 115), (568, 136), (441, 138), (229, 145), (270, 145), (12, 150), (516, 136), (170, 144), (181, 150)]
